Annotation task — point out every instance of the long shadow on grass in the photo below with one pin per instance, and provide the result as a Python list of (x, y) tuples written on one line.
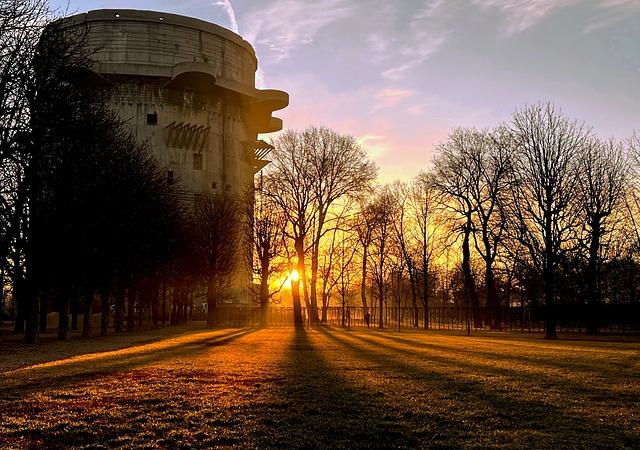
[(157, 415), (58, 374), (318, 408), (502, 415), (485, 363), (539, 360)]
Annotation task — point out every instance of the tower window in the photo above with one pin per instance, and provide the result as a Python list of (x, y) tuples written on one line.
[(170, 179), (152, 119), (197, 161), (214, 185)]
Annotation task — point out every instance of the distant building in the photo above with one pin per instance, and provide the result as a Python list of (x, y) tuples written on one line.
[(187, 89)]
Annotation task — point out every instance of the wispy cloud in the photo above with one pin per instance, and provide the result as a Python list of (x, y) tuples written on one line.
[(286, 25), (612, 12), (427, 31), (417, 110), (424, 46), (521, 14), (389, 97), (231, 14), (393, 94)]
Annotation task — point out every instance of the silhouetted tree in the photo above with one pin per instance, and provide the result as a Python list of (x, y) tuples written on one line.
[(603, 174), (340, 167), (383, 207), (289, 182), (100, 211), (455, 177), (268, 224), (219, 219), (547, 147), (364, 224), (423, 201)]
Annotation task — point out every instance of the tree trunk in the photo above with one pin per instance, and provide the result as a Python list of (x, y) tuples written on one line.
[(470, 294), (154, 301), (297, 306), (325, 306), (425, 287), (593, 297), (315, 254), (105, 311), (119, 308), (86, 320), (143, 293), (295, 286), (32, 316), (131, 305), (75, 306), (381, 301), (631, 281), (44, 309), (414, 296), (64, 302), (492, 294), (164, 302), (363, 285), (549, 276), (313, 288), (20, 295), (212, 298)]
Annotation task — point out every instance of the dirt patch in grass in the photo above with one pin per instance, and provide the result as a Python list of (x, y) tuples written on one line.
[(324, 388)]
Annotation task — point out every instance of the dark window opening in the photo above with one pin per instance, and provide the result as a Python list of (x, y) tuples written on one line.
[(170, 179), (197, 161), (214, 185), (152, 119)]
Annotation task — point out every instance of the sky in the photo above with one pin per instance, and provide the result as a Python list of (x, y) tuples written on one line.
[(399, 75)]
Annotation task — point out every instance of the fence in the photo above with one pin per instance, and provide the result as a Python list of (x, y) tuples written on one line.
[(611, 319)]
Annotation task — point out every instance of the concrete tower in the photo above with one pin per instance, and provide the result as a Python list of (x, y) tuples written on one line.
[(187, 89)]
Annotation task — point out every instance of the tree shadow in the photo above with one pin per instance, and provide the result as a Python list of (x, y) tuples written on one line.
[(481, 414), (316, 407), (57, 374), (485, 362)]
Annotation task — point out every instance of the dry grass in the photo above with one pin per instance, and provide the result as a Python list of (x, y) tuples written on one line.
[(324, 388)]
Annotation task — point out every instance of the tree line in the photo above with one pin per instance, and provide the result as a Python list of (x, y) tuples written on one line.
[(87, 217), (537, 212)]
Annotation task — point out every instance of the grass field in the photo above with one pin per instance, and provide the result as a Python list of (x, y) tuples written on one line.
[(189, 388)]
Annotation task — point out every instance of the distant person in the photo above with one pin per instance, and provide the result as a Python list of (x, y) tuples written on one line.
[(367, 318)]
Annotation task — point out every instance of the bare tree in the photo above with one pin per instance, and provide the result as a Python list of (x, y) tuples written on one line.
[(268, 241), (492, 161), (455, 176), (219, 221), (423, 207), (364, 224), (21, 22), (383, 208), (289, 182), (403, 229), (342, 277), (334, 258), (546, 147), (340, 167), (310, 171), (603, 175)]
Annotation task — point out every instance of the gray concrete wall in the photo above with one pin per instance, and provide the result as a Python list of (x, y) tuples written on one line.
[(198, 80)]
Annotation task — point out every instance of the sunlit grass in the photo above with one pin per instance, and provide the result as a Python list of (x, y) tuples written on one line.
[(281, 388)]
